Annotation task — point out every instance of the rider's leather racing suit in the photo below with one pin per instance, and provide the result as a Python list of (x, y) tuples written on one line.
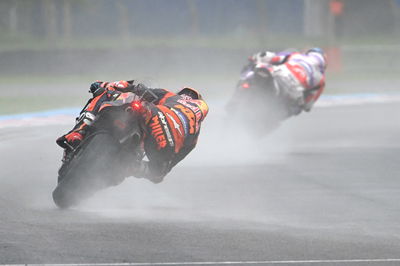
[(299, 77), (171, 125)]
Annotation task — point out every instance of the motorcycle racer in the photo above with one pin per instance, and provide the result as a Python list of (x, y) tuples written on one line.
[(298, 77), (171, 124)]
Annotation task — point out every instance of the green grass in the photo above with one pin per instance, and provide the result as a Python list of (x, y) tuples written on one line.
[(16, 102), (214, 86), (15, 105)]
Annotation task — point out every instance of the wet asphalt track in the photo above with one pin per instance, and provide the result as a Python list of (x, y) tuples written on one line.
[(324, 186)]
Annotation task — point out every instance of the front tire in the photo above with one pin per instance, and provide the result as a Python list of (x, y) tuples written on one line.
[(92, 169)]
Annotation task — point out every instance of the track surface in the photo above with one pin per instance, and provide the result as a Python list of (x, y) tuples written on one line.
[(324, 186)]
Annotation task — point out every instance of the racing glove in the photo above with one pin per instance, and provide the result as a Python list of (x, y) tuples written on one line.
[(98, 87)]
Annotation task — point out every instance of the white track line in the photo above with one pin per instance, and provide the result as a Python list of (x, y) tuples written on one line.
[(218, 262)]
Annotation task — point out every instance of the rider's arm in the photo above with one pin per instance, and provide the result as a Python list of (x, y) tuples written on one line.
[(258, 58), (148, 94), (263, 57), (279, 59), (98, 87), (154, 95)]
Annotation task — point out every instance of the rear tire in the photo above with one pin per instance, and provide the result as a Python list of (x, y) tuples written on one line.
[(92, 169)]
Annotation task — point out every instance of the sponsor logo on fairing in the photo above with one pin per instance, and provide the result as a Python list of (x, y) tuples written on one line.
[(183, 120), (157, 132), (166, 129), (176, 125), (190, 116), (188, 105), (196, 110)]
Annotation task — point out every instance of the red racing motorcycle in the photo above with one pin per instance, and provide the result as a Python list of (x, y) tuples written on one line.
[(113, 142)]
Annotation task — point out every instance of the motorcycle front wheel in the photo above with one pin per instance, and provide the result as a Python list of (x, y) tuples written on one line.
[(92, 169)]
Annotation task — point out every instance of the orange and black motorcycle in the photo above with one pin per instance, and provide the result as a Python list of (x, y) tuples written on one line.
[(99, 161)]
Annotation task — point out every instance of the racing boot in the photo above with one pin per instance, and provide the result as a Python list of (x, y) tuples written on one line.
[(70, 140), (142, 170)]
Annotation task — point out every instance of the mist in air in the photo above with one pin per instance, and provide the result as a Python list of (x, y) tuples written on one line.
[(172, 44)]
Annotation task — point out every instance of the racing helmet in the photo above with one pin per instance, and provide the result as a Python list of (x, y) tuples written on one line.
[(321, 55), (190, 92), (195, 95)]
